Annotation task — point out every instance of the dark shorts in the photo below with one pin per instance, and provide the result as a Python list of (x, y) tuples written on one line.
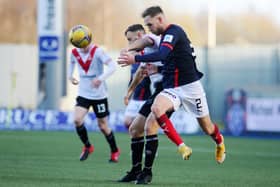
[(100, 107), (145, 110)]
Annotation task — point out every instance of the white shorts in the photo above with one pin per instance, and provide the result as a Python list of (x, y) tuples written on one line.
[(133, 108), (191, 96)]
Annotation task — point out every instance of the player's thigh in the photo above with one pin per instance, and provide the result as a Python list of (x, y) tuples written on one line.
[(128, 120), (100, 107), (79, 114), (151, 125), (193, 99), (81, 109), (165, 101), (196, 105), (136, 128)]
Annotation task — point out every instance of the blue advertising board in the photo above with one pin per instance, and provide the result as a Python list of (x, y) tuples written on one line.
[(48, 48), (50, 21), (55, 120)]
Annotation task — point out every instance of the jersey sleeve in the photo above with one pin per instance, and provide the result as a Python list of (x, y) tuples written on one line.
[(107, 60), (71, 66), (102, 56), (170, 38), (155, 39)]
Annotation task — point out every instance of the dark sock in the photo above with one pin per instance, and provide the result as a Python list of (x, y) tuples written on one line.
[(137, 146), (150, 151), (112, 142), (82, 132)]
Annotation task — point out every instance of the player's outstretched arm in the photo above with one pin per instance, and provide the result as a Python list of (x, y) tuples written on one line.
[(140, 44), (112, 67), (138, 77), (73, 80)]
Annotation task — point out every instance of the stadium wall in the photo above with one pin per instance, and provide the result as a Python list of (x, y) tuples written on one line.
[(18, 75), (254, 69)]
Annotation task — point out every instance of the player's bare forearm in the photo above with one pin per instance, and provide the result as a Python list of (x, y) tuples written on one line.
[(138, 77), (140, 44)]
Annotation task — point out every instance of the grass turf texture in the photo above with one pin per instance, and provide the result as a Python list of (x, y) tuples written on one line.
[(52, 159)]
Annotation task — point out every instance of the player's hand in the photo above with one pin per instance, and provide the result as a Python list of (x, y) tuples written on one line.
[(123, 51), (126, 59), (126, 99), (96, 83), (74, 81)]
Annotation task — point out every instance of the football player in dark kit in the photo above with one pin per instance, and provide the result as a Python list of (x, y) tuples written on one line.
[(135, 98), (181, 82), (136, 129)]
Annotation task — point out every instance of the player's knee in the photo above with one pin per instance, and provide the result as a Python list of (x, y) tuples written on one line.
[(132, 131), (149, 129), (102, 124), (78, 121), (156, 110), (151, 122), (104, 129)]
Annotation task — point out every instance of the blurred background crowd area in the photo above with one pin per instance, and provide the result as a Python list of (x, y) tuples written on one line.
[(241, 22)]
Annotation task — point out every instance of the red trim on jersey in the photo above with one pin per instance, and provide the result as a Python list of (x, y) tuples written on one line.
[(84, 65), (167, 45), (142, 93), (176, 77)]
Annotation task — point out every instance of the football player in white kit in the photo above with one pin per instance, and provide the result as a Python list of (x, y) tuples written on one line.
[(92, 92)]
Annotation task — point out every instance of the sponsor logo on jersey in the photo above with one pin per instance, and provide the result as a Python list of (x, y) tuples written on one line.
[(168, 38)]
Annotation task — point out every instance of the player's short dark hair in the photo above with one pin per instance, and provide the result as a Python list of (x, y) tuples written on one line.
[(134, 28), (152, 11)]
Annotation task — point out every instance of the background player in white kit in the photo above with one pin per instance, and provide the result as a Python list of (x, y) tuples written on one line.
[(92, 92)]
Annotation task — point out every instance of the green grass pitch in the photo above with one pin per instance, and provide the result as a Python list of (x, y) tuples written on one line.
[(52, 159)]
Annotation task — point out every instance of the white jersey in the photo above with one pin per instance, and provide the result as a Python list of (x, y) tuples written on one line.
[(90, 66), (153, 75)]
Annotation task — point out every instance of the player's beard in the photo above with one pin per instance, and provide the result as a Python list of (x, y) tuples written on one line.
[(158, 31)]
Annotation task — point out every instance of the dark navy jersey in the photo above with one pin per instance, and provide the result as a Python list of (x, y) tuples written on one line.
[(142, 90), (179, 65), (178, 57)]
